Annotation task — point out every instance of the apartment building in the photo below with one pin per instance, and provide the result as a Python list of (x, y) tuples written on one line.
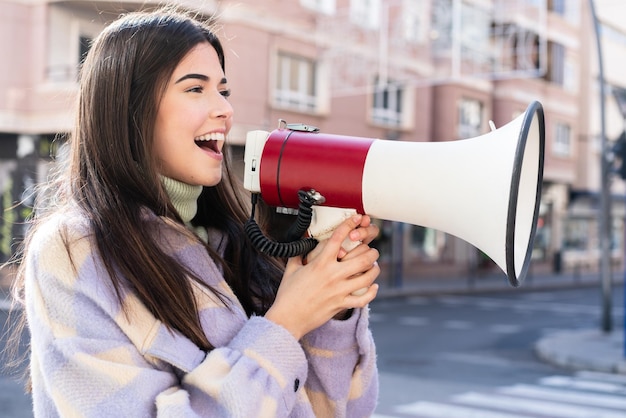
[(580, 239), (406, 70)]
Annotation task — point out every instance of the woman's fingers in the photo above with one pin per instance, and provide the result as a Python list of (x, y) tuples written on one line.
[(345, 228), (361, 297), (333, 248), (359, 284), (366, 232), (352, 232), (357, 251)]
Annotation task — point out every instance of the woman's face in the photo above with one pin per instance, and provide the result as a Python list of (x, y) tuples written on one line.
[(193, 118)]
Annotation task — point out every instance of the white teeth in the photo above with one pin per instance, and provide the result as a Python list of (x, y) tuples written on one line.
[(214, 136)]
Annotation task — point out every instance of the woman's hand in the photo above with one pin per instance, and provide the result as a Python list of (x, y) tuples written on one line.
[(364, 233), (312, 293)]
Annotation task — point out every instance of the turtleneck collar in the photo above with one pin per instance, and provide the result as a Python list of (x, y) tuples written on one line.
[(184, 197)]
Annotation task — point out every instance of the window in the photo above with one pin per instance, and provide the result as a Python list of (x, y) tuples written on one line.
[(468, 35), (68, 38), (413, 25), (295, 82), (387, 103), (556, 63), (562, 142), (441, 32), (475, 27), (323, 6), (557, 6), (576, 234), (570, 75), (365, 13), (470, 118), (569, 10), (522, 48)]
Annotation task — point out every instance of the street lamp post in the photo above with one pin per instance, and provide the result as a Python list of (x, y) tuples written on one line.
[(605, 202), (620, 98)]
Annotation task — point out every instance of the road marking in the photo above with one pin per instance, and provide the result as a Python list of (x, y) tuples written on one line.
[(457, 324), (505, 328), (587, 395), (582, 384), (485, 360), (413, 321), (606, 401), (442, 410), (602, 377), (376, 317), (526, 405)]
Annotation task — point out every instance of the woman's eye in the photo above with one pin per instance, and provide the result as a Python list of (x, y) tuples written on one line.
[(225, 93), (196, 89)]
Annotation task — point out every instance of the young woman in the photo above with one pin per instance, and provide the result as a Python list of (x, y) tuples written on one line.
[(143, 296)]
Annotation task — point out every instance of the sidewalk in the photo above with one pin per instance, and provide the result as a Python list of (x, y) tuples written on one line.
[(584, 349)]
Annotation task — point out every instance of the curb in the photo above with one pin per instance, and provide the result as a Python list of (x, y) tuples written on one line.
[(584, 349), (433, 287)]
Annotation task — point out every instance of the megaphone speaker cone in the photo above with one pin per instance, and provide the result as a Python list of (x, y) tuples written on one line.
[(484, 190)]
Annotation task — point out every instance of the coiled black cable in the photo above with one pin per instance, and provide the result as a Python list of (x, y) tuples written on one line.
[(305, 214), (295, 245)]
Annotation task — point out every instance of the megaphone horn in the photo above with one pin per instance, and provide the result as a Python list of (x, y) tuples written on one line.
[(485, 190)]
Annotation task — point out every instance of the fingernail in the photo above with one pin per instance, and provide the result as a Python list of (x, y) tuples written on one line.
[(357, 218)]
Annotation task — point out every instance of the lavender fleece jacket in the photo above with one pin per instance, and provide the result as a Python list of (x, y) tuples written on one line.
[(89, 359)]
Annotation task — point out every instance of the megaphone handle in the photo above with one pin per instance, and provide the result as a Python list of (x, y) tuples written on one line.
[(324, 221)]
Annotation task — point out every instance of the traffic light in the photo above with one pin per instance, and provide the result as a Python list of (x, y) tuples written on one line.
[(619, 150)]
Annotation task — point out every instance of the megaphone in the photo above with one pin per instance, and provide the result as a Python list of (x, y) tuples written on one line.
[(485, 190)]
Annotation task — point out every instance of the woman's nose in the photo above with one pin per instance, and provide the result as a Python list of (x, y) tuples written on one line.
[(222, 108)]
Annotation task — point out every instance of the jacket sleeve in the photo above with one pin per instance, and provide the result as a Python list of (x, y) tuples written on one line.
[(91, 359), (343, 377)]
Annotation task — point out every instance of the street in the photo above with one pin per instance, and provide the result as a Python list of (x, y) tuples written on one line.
[(470, 356), (14, 403)]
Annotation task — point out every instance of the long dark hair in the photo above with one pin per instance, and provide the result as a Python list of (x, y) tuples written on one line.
[(111, 174)]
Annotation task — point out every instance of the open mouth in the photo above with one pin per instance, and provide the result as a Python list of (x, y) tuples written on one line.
[(210, 142)]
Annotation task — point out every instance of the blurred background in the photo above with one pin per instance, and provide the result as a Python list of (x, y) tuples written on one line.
[(407, 70)]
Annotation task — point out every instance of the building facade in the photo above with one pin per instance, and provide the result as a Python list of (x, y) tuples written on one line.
[(406, 70)]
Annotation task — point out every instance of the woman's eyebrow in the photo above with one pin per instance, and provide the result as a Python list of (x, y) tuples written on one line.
[(199, 77), (196, 76)]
